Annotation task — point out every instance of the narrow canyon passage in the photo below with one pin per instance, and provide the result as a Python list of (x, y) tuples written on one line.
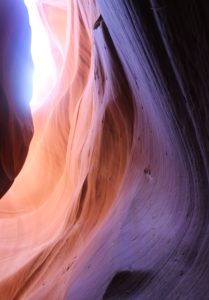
[(104, 162)]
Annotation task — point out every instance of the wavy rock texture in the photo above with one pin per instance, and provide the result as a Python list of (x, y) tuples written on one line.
[(112, 202)]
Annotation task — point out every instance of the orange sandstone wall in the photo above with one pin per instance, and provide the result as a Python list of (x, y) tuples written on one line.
[(115, 181)]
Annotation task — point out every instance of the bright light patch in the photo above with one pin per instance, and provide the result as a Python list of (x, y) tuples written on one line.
[(44, 68)]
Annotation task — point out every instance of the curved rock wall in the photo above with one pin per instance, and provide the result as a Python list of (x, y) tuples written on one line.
[(112, 201), (16, 67)]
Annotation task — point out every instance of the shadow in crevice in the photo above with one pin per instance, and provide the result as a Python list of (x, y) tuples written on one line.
[(126, 283)]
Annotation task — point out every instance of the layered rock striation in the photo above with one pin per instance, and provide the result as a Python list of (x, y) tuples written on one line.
[(112, 201)]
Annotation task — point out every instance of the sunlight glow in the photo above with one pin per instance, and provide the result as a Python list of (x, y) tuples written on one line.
[(44, 68)]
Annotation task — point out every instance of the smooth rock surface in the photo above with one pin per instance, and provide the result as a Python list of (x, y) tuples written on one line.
[(16, 128), (112, 202)]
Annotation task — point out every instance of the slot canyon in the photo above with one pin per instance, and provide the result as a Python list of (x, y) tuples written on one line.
[(104, 175)]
